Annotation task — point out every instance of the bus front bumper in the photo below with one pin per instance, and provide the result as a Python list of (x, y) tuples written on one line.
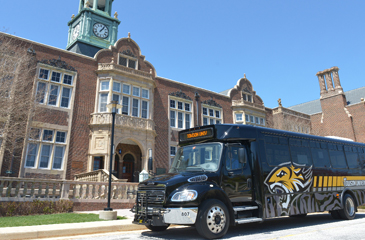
[(163, 216)]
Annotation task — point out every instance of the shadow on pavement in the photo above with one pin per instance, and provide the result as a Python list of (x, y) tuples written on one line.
[(266, 227)]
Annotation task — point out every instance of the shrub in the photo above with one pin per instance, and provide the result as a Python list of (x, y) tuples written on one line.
[(35, 207)]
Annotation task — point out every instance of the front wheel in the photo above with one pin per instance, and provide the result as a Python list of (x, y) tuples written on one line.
[(157, 228), (213, 219), (349, 208)]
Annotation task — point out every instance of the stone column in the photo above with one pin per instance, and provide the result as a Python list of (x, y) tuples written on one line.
[(329, 81), (322, 84)]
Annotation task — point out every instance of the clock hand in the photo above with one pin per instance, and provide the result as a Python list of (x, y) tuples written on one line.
[(102, 29)]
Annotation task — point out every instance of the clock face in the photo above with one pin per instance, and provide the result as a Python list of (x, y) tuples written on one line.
[(75, 32), (100, 30)]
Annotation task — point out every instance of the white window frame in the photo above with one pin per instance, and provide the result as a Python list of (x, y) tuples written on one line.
[(127, 60), (100, 102), (174, 103), (44, 97), (209, 115), (40, 145), (115, 88)]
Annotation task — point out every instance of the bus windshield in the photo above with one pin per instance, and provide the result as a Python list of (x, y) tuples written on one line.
[(200, 157)]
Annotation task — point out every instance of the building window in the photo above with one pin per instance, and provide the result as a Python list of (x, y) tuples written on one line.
[(180, 113), (133, 99), (172, 154), (57, 94), (249, 119), (46, 149), (247, 97), (128, 61), (211, 115), (239, 117)]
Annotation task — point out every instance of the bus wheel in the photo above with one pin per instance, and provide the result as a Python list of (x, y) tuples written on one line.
[(335, 214), (348, 211), (157, 228), (213, 219)]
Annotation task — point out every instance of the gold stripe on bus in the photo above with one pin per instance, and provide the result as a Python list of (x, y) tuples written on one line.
[(320, 181), (354, 178), (315, 181), (334, 181), (330, 181), (325, 178), (340, 181)]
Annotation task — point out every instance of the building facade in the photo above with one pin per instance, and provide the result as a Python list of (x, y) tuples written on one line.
[(71, 136)]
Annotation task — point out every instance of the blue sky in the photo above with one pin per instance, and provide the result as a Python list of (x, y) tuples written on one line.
[(280, 45)]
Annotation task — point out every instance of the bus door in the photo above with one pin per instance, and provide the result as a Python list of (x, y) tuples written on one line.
[(236, 180)]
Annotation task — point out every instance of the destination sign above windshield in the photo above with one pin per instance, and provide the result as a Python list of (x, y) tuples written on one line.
[(197, 134)]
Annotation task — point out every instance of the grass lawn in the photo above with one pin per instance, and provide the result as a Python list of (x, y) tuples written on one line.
[(19, 221)]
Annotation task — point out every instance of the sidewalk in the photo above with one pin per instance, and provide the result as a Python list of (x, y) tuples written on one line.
[(72, 229)]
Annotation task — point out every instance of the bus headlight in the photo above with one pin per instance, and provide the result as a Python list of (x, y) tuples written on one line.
[(186, 195)]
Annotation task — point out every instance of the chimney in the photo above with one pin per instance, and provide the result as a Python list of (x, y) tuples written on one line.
[(322, 84), (336, 79), (326, 83)]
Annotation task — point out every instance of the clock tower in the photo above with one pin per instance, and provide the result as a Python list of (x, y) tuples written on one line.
[(92, 28)]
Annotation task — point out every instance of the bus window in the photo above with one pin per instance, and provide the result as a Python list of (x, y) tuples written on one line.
[(362, 157), (352, 157), (320, 155), (337, 156), (300, 152), (232, 162), (277, 153)]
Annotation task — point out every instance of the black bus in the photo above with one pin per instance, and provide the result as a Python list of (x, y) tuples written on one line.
[(228, 174)]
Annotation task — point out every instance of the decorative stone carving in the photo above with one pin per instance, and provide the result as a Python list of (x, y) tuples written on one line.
[(128, 53), (116, 15), (57, 63), (212, 103), (180, 94), (279, 102)]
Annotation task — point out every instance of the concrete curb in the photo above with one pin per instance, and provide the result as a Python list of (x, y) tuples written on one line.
[(68, 229)]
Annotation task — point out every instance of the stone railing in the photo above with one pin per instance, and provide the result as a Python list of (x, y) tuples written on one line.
[(122, 120), (241, 102), (100, 175), (29, 189), (291, 112), (117, 67)]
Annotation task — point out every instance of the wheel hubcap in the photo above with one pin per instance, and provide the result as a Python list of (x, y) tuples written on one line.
[(350, 206), (216, 219)]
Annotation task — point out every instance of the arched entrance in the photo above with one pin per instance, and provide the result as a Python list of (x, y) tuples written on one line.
[(128, 167)]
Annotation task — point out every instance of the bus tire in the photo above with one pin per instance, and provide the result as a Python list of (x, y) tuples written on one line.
[(213, 219), (157, 228), (349, 208), (335, 214)]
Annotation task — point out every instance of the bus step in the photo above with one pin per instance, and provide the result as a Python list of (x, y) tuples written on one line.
[(248, 220), (244, 208)]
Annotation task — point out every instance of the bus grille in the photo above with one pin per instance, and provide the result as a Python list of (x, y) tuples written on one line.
[(148, 197)]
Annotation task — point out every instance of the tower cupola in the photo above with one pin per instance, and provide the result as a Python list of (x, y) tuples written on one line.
[(93, 28)]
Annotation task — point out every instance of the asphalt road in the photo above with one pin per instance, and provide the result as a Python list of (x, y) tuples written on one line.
[(314, 226)]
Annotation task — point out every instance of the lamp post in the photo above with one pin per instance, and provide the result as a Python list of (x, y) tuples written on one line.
[(113, 105)]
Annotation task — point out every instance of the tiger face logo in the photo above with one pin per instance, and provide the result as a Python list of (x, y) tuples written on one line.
[(287, 179)]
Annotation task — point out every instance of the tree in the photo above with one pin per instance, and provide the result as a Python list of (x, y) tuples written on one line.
[(17, 100)]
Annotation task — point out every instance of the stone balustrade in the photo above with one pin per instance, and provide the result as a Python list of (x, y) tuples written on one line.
[(29, 189), (117, 67), (241, 102), (100, 175), (122, 120)]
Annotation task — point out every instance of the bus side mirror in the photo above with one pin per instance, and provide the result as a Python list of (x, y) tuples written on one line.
[(242, 155)]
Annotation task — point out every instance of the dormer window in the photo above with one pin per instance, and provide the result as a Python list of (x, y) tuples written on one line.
[(247, 97), (128, 61)]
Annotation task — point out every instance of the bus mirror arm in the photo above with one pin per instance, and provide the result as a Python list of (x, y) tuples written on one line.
[(242, 155)]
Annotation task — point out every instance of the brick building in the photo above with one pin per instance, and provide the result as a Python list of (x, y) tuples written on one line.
[(72, 136)]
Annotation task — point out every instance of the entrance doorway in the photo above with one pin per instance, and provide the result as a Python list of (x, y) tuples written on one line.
[(128, 167)]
